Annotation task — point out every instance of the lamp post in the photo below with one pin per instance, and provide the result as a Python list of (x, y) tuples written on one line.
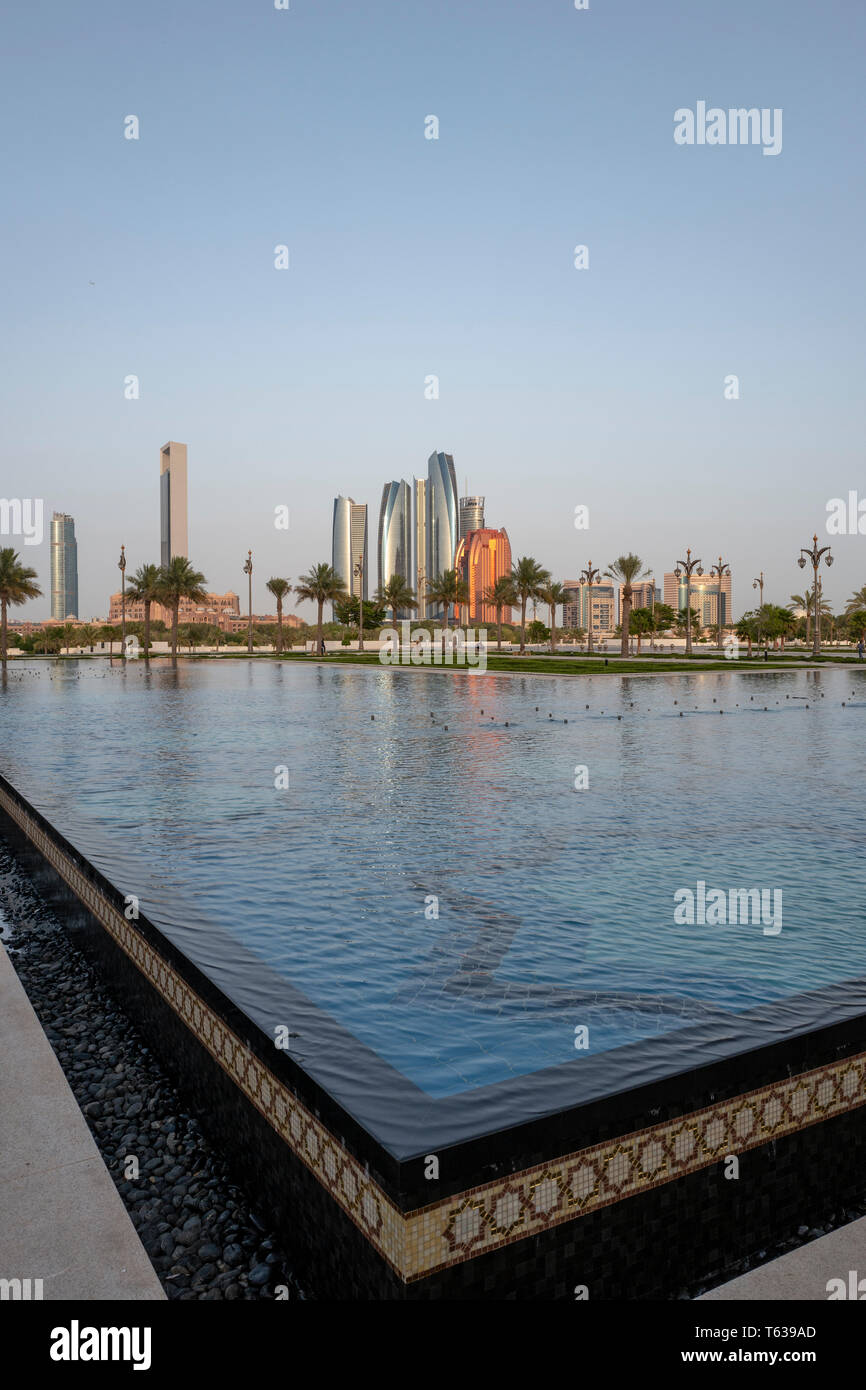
[(685, 567), (720, 569), (359, 575), (813, 556), (121, 565), (248, 570), (759, 584), (588, 577)]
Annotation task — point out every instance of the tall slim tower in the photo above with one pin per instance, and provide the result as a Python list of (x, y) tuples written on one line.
[(173, 523), (421, 546), (442, 520), (395, 536), (349, 544), (64, 567)]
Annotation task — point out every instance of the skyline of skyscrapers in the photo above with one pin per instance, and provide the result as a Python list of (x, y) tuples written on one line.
[(173, 516), (64, 567)]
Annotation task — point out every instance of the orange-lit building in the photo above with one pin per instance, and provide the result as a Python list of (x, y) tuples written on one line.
[(482, 558)]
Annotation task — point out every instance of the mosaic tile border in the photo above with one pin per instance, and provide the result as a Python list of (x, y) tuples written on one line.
[(343, 1177), (536, 1199), (485, 1218)]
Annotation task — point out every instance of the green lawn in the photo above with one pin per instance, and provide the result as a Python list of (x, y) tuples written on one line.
[(565, 665)]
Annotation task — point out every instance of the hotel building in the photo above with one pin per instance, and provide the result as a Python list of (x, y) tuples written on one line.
[(218, 610), (482, 557), (64, 568), (704, 597), (173, 522), (595, 607), (644, 594)]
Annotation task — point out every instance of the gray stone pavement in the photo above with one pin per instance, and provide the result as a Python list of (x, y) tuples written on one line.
[(61, 1218), (806, 1272)]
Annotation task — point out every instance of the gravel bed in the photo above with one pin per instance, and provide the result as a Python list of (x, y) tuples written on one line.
[(202, 1233)]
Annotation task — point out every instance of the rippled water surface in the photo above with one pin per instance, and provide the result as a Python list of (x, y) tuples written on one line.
[(555, 905)]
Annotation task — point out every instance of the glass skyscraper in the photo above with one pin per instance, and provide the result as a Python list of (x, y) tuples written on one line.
[(442, 520), (64, 567), (471, 515), (394, 550)]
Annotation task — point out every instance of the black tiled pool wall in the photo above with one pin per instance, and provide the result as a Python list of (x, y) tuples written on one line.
[(650, 1244)]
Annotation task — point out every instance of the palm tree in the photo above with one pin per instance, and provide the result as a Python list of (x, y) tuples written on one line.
[(320, 585), (824, 609), (857, 601), (179, 580), (806, 601), (748, 630), (528, 579), (17, 585), (552, 594), (625, 570), (641, 622), (688, 620), (447, 588), (856, 622), (279, 588), (777, 623), (109, 634), (500, 595), (144, 587), (396, 595), (69, 630), (88, 635)]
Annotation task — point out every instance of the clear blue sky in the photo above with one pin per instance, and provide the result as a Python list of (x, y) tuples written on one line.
[(454, 257)]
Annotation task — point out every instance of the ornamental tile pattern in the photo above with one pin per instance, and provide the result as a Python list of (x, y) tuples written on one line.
[(421, 1242)]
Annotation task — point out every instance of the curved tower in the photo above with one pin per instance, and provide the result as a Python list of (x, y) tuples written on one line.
[(442, 520), (394, 551)]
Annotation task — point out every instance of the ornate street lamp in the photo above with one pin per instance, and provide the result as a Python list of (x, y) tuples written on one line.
[(814, 556), (759, 584), (720, 570), (248, 570), (685, 567), (359, 575), (121, 565), (588, 577)]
